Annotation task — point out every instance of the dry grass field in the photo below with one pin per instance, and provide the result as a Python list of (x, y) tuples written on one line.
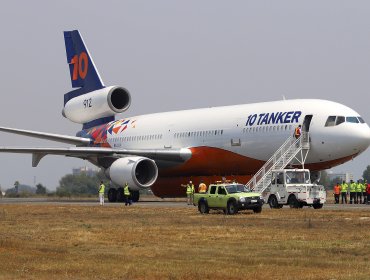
[(90, 242)]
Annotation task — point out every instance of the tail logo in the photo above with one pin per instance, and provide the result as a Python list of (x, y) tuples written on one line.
[(80, 65)]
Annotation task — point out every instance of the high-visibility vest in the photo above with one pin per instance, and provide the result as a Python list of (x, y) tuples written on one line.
[(359, 187), (202, 188), (190, 189), (364, 187), (336, 189), (297, 132), (126, 190), (352, 187), (344, 188), (102, 188)]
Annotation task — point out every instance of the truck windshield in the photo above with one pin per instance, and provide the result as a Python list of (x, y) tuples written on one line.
[(236, 188), (297, 177)]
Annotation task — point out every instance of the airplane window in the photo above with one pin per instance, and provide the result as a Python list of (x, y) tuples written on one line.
[(351, 119), (340, 120), (330, 121), (361, 120)]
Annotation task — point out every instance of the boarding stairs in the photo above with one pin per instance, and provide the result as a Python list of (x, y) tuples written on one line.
[(293, 150)]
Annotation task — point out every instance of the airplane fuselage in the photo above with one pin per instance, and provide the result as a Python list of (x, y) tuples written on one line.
[(237, 140)]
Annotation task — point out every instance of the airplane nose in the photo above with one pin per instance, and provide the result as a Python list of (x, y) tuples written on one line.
[(363, 138)]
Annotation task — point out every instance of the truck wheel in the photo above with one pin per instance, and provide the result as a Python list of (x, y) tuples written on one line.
[(257, 209), (317, 206), (273, 202), (293, 202), (203, 207), (231, 208)]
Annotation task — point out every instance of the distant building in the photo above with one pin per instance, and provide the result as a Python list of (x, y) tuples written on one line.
[(89, 171), (342, 176)]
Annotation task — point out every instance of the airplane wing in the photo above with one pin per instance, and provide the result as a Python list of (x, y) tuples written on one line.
[(78, 141), (175, 155)]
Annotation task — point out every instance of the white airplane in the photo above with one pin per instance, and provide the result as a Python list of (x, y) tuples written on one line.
[(163, 150)]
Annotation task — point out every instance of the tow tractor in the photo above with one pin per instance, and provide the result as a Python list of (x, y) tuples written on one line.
[(293, 187)]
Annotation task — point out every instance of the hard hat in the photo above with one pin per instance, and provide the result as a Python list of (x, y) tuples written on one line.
[(190, 182)]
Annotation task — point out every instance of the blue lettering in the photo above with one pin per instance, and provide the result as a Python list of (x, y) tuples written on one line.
[(252, 120), (288, 116), (295, 117), (272, 118), (280, 117), (260, 118), (265, 118)]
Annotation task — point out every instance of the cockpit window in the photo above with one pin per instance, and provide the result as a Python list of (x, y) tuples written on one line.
[(361, 120), (330, 121), (340, 120), (352, 120)]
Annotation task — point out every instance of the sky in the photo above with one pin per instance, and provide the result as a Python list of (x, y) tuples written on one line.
[(174, 55)]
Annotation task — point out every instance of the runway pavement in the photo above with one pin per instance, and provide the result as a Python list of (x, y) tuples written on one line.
[(175, 203)]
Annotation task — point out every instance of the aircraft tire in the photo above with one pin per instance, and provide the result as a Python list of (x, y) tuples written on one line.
[(112, 195), (120, 196), (135, 196)]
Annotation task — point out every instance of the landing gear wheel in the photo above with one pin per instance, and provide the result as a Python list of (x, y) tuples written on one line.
[(231, 208), (135, 195), (112, 195), (293, 202), (257, 209), (317, 206), (120, 196), (273, 202), (203, 207)]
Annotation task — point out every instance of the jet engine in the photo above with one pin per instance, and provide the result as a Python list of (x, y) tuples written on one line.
[(138, 172), (97, 104)]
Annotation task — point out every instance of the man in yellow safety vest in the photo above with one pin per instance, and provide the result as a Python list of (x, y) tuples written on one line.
[(189, 192), (343, 191), (352, 192), (359, 192), (101, 193), (126, 194)]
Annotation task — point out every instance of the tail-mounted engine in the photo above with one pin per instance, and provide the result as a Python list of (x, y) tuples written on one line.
[(97, 104)]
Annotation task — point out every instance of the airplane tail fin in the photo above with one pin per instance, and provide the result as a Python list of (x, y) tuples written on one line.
[(84, 74), (92, 103)]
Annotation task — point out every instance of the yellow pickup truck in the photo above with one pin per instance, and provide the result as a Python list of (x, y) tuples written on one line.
[(230, 197)]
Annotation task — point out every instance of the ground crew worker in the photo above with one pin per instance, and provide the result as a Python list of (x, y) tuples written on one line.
[(352, 192), (336, 193), (359, 192), (101, 193), (343, 191), (202, 187), (364, 194), (126, 194), (298, 131), (368, 193), (189, 192)]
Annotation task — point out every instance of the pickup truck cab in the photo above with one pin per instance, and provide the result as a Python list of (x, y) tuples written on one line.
[(230, 197)]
